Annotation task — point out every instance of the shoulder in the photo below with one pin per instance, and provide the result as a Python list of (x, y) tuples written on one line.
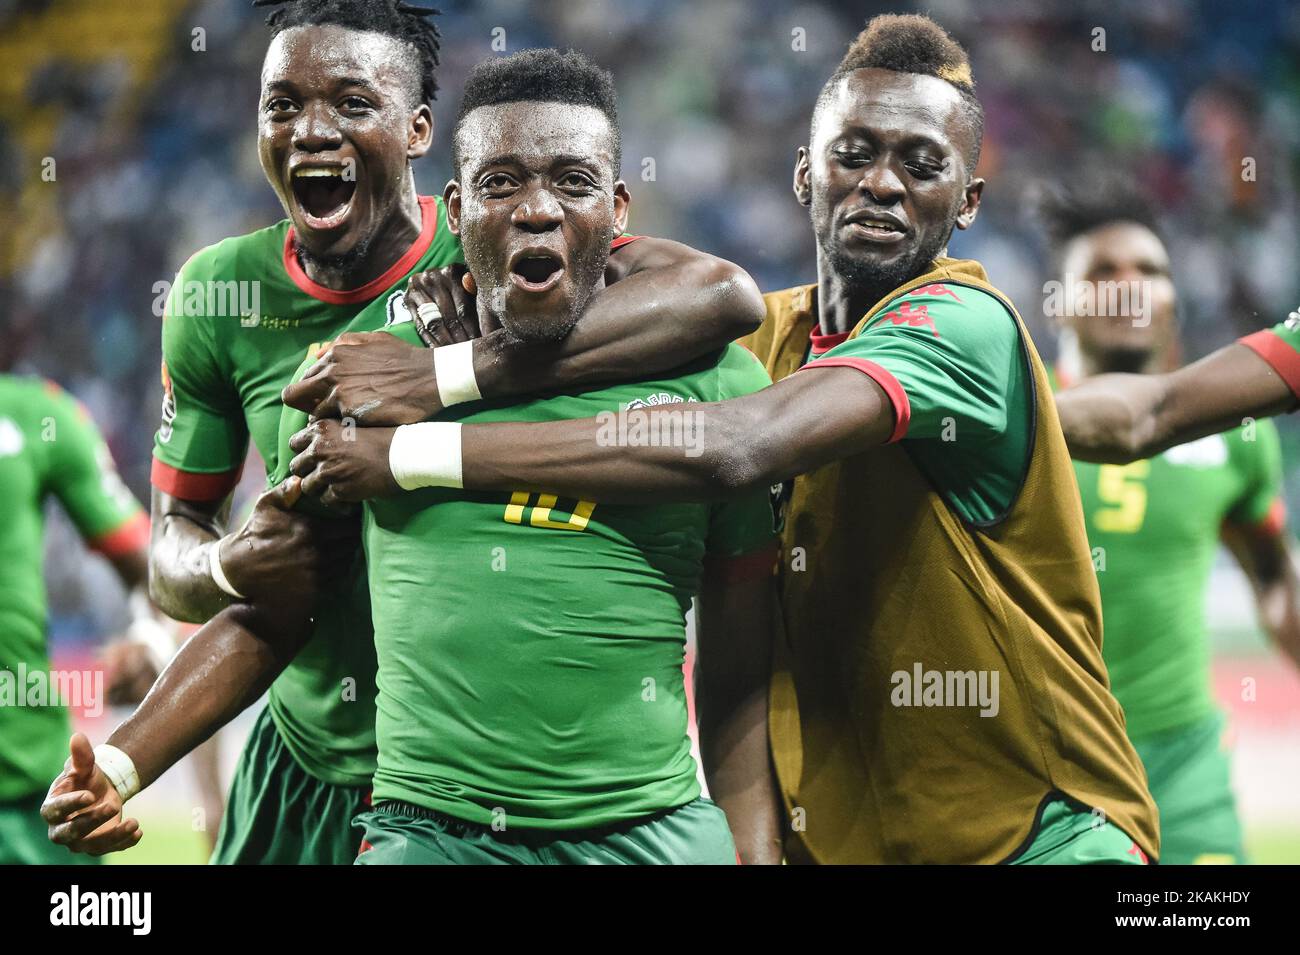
[(948, 309), (252, 254)]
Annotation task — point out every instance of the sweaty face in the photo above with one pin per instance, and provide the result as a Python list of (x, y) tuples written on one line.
[(338, 126), (885, 175), (1122, 296), (536, 205)]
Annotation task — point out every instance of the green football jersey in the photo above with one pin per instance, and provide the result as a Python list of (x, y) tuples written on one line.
[(1154, 528), (240, 319), (530, 649), (48, 447)]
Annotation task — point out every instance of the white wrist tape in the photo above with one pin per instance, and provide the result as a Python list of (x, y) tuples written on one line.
[(119, 769), (426, 455), (219, 575), (453, 369)]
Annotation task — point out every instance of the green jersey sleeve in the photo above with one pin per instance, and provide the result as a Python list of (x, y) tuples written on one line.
[(199, 447), (950, 359), (1280, 347), (743, 524), (82, 476), (1256, 452)]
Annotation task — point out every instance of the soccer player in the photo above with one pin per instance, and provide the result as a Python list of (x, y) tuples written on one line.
[(942, 696), (1154, 524), (344, 109), (531, 706), (50, 447)]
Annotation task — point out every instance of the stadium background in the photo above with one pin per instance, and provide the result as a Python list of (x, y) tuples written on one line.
[(153, 143)]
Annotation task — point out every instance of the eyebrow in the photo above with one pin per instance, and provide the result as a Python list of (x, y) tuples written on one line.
[(514, 159), (287, 85)]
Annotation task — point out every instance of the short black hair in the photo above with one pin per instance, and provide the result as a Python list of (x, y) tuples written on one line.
[(1065, 210), (540, 76), (393, 18), (910, 43)]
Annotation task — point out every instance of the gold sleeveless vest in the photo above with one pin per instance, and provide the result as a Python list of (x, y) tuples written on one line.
[(879, 577)]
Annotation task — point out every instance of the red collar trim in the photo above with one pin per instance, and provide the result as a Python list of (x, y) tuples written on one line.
[(376, 286), (821, 344)]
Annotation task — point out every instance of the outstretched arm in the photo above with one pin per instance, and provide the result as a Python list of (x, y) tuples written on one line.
[(815, 416), (1119, 418), (216, 674), (664, 304)]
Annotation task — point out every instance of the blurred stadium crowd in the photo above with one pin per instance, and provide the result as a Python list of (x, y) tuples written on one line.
[(148, 108)]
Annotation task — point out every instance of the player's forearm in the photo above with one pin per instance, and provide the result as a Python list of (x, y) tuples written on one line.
[(180, 575), (738, 768), (705, 451), (221, 670), (1112, 418), (651, 321)]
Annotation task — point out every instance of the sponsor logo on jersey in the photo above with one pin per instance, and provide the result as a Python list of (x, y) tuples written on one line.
[(11, 438), (913, 315), (660, 398)]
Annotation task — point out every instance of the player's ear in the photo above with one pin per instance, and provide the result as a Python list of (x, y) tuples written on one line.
[(622, 199), (802, 187), (420, 133), (970, 203), (451, 199)]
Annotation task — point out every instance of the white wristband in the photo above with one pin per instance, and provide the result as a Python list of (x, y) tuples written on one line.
[(119, 769), (426, 455), (453, 369), (219, 575)]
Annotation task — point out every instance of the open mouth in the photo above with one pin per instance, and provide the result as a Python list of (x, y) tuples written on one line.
[(324, 195), (876, 227), (536, 272)]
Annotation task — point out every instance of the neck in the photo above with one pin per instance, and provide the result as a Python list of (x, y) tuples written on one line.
[(394, 237), (840, 306), (842, 302)]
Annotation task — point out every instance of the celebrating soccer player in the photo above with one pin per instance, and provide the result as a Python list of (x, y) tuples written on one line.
[(545, 718), (942, 696), (1155, 524), (343, 110)]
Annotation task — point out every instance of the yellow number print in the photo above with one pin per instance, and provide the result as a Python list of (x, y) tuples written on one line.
[(541, 512), (1121, 487)]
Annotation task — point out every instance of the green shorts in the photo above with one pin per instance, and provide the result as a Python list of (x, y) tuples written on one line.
[(1188, 772), (1069, 834), (24, 836), (279, 814), (400, 834)]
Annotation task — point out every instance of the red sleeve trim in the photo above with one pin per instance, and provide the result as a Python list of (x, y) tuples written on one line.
[(1273, 523), (191, 486), (131, 536), (1283, 359), (751, 566), (882, 377), (376, 286), (623, 240)]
